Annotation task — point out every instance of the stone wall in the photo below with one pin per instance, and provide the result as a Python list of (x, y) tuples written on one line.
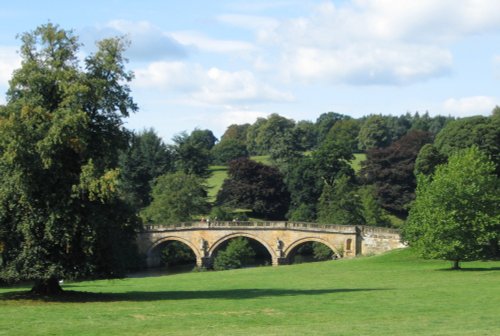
[(376, 240)]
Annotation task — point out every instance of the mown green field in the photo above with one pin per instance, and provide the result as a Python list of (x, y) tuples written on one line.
[(214, 182), (393, 294)]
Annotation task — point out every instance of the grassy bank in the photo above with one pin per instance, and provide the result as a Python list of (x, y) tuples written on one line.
[(394, 294)]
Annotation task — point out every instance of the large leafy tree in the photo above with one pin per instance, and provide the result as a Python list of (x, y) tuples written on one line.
[(60, 211), (192, 152), (371, 211), (305, 186), (340, 204), (307, 176), (286, 149), (176, 197), (236, 132), (325, 122), (456, 215), (428, 159), (374, 133), (306, 133), (146, 158), (264, 134), (228, 150), (232, 145), (345, 132), (332, 158), (391, 171), (480, 131), (252, 185)]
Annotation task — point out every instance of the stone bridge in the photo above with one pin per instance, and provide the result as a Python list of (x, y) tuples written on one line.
[(281, 239)]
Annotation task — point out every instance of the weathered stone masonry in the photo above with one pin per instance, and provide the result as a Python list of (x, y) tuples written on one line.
[(279, 238)]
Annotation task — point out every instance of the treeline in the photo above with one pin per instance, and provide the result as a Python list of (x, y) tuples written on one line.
[(310, 177)]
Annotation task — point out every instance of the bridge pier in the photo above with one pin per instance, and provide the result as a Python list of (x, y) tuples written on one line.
[(205, 262), (280, 261)]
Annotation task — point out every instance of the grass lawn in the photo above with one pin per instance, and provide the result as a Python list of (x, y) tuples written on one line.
[(214, 182), (393, 294), (356, 163), (264, 159)]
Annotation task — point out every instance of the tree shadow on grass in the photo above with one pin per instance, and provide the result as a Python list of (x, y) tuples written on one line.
[(470, 269), (229, 294)]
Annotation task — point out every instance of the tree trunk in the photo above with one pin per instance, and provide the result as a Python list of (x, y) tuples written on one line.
[(456, 265), (48, 287)]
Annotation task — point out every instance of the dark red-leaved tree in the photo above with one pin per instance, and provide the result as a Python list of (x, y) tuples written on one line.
[(252, 185), (390, 169)]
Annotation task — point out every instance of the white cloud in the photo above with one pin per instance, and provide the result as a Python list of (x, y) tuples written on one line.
[(204, 43), (371, 41), (239, 86), (165, 75), (469, 106), (9, 61), (148, 43), (211, 86), (435, 21), (400, 64)]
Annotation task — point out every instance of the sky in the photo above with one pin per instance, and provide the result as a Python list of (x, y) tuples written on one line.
[(208, 64)]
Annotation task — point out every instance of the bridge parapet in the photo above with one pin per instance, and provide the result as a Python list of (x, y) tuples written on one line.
[(256, 225)]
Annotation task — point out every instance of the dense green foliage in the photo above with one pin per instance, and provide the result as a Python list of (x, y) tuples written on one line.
[(305, 187), (456, 215), (176, 253), (483, 132), (264, 133), (310, 155), (236, 255), (192, 152), (325, 122), (311, 252), (374, 133), (61, 214), (146, 158), (371, 211), (392, 294), (228, 150), (339, 203), (345, 132), (428, 159), (177, 197)]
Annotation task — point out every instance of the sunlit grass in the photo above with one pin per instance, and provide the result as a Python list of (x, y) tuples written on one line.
[(356, 163), (214, 182), (393, 294)]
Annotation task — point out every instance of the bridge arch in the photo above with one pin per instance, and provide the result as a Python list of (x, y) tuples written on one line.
[(288, 251), (221, 240), (153, 257)]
